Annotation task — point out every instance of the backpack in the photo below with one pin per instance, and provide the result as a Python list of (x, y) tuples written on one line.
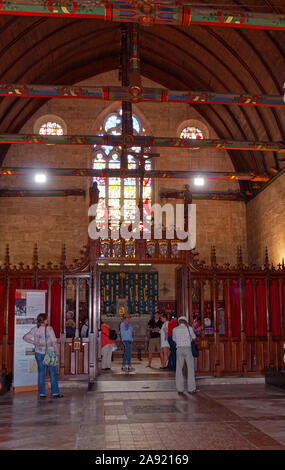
[(113, 335)]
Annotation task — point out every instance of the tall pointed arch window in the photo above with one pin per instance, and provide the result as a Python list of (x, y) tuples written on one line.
[(116, 193)]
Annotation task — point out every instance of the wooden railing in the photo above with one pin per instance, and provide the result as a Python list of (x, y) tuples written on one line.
[(246, 353)]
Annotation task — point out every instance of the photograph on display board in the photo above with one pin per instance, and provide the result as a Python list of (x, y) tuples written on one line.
[(20, 303)]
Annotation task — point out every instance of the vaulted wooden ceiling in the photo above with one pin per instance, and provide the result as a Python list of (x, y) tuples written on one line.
[(66, 51)]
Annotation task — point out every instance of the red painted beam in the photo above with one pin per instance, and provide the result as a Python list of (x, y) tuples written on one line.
[(138, 94), (147, 13)]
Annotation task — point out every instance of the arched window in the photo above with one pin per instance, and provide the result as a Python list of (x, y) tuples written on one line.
[(191, 132), (115, 193), (51, 128)]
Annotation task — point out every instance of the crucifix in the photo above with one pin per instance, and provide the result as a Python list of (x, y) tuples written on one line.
[(131, 77)]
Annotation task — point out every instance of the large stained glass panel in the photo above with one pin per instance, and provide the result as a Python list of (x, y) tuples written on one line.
[(118, 192)]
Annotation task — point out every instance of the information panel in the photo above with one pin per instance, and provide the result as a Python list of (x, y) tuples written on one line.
[(28, 304)]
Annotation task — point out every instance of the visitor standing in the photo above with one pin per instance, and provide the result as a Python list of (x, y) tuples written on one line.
[(172, 358), (165, 348), (154, 346), (127, 336), (106, 347), (70, 325), (183, 335), (85, 328), (43, 338)]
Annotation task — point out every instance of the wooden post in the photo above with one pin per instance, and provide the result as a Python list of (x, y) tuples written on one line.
[(280, 356), (229, 309), (256, 355), (269, 362), (94, 326), (217, 372), (62, 327), (202, 299), (242, 327), (6, 284), (77, 296)]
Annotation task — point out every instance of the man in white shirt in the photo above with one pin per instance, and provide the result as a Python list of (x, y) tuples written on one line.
[(182, 336)]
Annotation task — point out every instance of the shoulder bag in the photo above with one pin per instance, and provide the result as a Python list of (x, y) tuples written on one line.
[(51, 358), (194, 346)]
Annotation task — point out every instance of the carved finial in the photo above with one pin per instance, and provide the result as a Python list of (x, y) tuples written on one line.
[(213, 257), (7, 257), (36, 259), (63, 258), (266, 261), (283, 265), (239, 257)]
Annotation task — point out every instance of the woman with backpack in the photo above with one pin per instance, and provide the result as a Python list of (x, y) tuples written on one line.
[(107, 345)]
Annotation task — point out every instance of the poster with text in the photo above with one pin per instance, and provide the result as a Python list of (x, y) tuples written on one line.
[(28, 304)]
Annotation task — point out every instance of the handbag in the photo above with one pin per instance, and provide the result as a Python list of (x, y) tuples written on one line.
[(194, 346), (194, 349), (51, 358)]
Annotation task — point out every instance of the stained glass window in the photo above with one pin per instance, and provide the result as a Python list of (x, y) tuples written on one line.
[(115, 193), (190, 132), (51, 128)]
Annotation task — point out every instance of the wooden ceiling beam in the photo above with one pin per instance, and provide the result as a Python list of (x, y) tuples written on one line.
[(129, 141), (148, 14), (136, 93), (123, 173)]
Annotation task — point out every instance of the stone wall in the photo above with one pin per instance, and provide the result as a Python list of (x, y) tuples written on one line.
[(50, 222), (266, 223)]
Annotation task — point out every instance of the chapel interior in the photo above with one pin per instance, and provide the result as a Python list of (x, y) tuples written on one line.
[(218, 138)]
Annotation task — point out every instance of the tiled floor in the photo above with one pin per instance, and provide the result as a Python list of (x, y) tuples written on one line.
[(235, 416)]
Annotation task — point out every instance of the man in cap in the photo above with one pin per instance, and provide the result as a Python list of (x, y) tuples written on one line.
[(182, 335)]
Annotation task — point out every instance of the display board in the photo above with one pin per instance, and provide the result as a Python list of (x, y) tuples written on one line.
[(28, 304)]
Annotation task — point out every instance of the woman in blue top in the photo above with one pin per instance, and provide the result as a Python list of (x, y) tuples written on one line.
[(127, 336)]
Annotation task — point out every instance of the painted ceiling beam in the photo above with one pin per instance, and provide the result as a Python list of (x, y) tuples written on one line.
[(203, 195), (129, 141), (41, 192), (146, 13), (138, 94), (89, 172)]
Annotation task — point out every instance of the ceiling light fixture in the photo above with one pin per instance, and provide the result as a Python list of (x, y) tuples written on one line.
[(199, 181), (40, 178)]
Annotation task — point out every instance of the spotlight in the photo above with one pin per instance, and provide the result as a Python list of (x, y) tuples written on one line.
[(199, 181), (40, 178)]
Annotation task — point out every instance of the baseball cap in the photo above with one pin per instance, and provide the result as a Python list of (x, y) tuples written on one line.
[(182, 318)]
